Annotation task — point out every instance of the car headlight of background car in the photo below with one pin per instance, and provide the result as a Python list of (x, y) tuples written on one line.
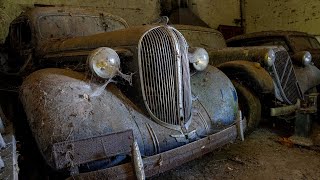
[(306, 58), (269, 58), (302, 58)]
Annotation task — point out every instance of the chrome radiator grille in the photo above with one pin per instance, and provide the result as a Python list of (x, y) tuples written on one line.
[(165, 77), (286, 78)]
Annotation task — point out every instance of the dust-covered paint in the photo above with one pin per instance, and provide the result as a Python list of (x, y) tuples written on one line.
[(222, 102)]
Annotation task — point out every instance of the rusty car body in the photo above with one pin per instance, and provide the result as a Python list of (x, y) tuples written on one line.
[(85, 125), (278, 85)]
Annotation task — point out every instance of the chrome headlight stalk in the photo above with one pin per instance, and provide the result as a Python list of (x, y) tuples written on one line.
[(199, 58), (306, 58), (104, 62), (269, 58)]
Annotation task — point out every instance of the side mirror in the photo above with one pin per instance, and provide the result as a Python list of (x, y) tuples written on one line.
[(302, 58)]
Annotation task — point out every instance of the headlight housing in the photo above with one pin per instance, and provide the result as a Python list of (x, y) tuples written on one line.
[(199, 58), (302, 58), (269, 58), (306, 58), (104, 62)]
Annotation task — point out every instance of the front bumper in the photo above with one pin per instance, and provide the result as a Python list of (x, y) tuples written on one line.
[(170, 159)]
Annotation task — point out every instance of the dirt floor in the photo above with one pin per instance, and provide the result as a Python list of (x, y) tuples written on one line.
[(263, 155)]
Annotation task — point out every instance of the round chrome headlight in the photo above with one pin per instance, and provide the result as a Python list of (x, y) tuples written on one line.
[(307, 58), (199, 58), (104, 62), (269, 58)]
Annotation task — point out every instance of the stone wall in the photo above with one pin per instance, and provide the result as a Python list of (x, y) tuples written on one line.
[(216, 12)]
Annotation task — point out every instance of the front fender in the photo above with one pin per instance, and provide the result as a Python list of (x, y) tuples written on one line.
[(217, 94), (308, 77), (60, 106), (249, 73)]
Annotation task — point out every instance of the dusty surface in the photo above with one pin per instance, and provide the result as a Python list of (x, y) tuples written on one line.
[(260, 156)]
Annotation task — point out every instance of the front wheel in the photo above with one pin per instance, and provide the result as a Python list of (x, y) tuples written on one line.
[(249, 104)]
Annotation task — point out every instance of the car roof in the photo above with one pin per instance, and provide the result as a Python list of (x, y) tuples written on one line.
[(267, 34), (34, 13)]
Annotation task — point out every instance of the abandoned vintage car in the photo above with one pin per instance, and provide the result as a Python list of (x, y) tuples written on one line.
[(95, 90), (298, 44), (260, 74)]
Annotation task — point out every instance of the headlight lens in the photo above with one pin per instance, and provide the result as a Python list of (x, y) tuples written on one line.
[(269, 58), (307, 58), (104, 62), (199, 58)]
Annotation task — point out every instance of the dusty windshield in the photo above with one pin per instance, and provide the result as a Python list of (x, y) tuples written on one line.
[(265, 41), (203, 39), (62, 26), (302, 43)]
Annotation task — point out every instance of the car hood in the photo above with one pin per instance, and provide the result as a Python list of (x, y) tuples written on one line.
[(124, 37)]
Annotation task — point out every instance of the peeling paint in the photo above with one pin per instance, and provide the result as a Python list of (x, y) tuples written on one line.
[(282, 15)]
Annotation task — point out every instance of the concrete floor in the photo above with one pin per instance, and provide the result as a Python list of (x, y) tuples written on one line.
[(263, 155)]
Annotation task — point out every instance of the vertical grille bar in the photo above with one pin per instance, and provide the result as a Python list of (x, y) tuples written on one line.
[(171, 81), (148, 68), (186, 73), (160, 50), (170, 115), (155, 78)]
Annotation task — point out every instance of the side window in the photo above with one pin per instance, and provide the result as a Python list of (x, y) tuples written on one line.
[(25, 33), (314, 43), (14, 35), (20, 35)]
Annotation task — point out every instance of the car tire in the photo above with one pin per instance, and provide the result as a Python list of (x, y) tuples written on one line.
[(250, 106)]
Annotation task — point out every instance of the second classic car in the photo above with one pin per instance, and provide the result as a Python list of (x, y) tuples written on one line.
[(265, 77)]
